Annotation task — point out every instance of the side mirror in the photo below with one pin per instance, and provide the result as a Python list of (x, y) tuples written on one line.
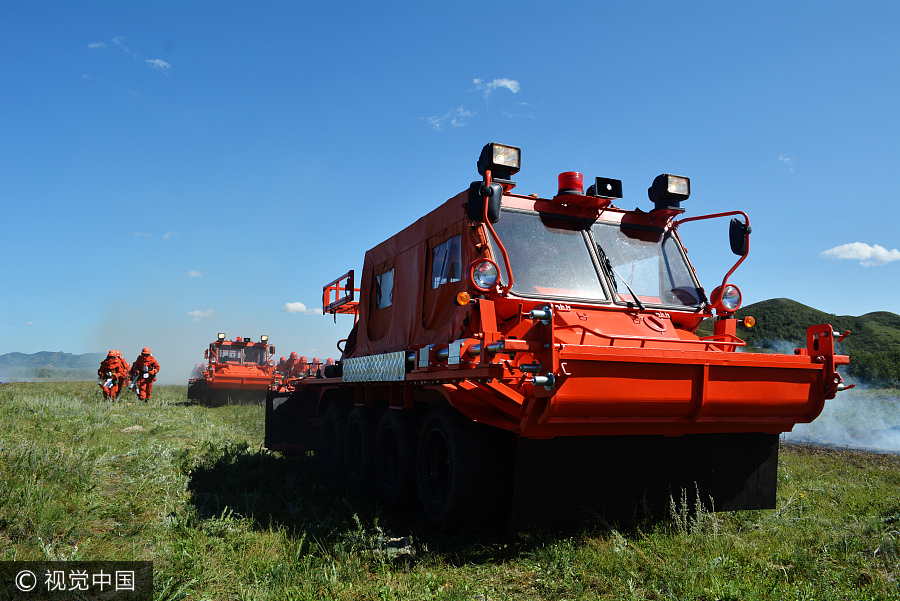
[(272, 350), (739, 236), (206, 354), (475, 206)]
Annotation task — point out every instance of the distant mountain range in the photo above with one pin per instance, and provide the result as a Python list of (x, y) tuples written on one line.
[(53, 359), (49, 366), (873, 345)]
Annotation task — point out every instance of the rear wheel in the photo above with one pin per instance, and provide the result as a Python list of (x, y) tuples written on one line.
[(464, 470), (395, 458)]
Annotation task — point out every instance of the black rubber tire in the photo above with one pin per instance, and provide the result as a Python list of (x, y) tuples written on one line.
[(334, 423), (464, 471), (359, 450), (396, 443)]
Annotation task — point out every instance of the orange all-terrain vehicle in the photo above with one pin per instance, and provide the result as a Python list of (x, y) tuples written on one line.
[(237, 371), (537, 360)]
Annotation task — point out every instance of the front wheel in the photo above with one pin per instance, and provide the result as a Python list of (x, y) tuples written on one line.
[(464, 470), (359, 449), (395, 458), (334, 422)]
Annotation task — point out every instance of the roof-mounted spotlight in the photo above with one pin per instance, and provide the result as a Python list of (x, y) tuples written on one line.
[(264, 338), (502, 160), (221, 335), (668, 191)]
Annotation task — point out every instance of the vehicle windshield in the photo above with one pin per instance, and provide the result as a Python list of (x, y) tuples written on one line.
[(562, 257), (254, 356), (549, 256), (229, 354), (247, 356), (650, 261)]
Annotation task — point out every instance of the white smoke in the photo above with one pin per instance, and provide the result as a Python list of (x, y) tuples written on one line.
[(860, 418)]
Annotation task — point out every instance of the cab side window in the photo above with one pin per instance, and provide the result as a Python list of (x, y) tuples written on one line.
[(446, 264), (384, 289)]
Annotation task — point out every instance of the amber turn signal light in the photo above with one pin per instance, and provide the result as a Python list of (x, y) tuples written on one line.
[(463, 298)]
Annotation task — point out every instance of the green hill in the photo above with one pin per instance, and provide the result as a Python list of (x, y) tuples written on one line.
[(46, 365), (873, 343)]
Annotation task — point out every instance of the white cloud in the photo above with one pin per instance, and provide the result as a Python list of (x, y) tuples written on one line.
[(862, 252), (159, 65), (789, 161), (168, 235), (457, 118), (299, 308), (198, 315), (156, 64), (119, 42), (487, 87), (193, 273), (29, 323), (142, 235)]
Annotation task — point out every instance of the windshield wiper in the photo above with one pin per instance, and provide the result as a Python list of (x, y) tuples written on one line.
[(612, 274)]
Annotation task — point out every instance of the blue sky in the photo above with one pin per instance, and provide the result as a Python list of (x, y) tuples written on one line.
[(170, 170)]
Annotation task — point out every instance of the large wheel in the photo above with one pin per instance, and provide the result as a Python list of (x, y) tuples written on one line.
[(359, 449), (464, 470), (332, 458), (395, 458)]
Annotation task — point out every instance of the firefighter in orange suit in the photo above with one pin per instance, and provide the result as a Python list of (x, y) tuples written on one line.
[(144, 369), (315, 368), (125, 370), (290, 364), (111, 376), (280, 368), (300, 369)]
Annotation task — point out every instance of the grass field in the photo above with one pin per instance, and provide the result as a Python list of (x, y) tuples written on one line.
[(192, 489)]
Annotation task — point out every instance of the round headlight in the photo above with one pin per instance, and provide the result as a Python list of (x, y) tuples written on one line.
[(484, 275), (731, 298)]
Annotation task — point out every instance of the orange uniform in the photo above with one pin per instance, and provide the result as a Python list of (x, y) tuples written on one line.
[(281, 368), (300, 369), (112, 376), (315, 368), (125, 369), (290, 365), (145, 368)]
